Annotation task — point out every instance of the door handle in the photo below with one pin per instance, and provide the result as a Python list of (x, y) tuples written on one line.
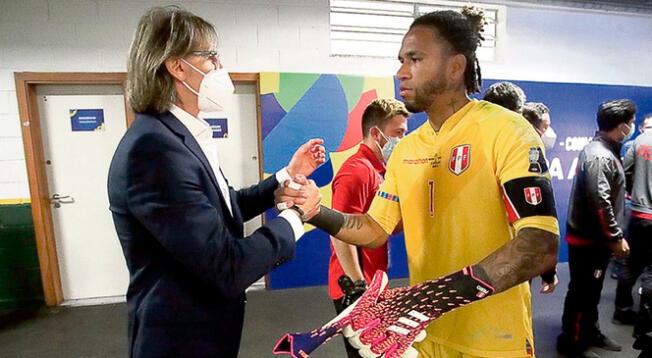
[(58, 199)]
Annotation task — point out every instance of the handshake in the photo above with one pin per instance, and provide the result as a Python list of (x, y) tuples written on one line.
[(301, 195), (386, 322)]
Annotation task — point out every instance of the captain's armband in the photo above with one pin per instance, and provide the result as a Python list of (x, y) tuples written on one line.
[(529, 196)]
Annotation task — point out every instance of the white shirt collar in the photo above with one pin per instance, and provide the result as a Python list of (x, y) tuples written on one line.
[(198, 127)]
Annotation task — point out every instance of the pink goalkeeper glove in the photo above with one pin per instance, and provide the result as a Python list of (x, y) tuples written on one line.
[(399, 318)]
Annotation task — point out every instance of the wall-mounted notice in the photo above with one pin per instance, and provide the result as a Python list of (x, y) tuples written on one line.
[(220, 127), (86, 120)]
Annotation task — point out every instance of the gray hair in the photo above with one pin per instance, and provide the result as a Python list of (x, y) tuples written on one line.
[(162, 33)]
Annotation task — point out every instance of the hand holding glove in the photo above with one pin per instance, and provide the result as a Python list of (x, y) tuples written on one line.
[(386, 322), (399, 318), (352, 290)]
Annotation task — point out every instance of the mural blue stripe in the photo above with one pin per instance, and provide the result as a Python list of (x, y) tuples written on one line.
[(320, 113)]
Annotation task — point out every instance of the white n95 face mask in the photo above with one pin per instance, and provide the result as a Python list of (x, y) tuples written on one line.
[(549, 138), (215, 90)]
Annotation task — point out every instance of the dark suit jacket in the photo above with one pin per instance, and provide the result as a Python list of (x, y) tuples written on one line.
[(188, 260)]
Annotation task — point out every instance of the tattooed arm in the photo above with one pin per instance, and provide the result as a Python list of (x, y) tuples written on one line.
[(531, 253), (362, 230), (358, 230)]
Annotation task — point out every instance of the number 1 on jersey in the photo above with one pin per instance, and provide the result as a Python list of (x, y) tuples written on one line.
[(431, 198)]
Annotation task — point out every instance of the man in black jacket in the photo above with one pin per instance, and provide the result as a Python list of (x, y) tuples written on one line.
[(638, 171), (594, 228)]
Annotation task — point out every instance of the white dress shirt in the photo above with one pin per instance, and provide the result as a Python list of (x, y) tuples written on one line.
[(203, 133)]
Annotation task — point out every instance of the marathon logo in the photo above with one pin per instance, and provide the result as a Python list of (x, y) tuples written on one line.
[(434, 162), (388, 196)]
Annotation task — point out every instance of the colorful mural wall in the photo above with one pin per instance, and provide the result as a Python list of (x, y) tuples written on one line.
[(296, 107)]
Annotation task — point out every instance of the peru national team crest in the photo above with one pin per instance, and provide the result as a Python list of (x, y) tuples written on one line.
[(460, 159), (533, 195)]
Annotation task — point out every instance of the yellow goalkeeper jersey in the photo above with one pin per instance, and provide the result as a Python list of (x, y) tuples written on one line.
[(462, 193)]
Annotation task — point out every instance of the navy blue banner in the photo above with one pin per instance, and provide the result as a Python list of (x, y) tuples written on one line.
[(86, 120), (220, 127)]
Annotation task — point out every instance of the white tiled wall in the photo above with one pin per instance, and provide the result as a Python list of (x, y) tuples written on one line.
[(291, 36)]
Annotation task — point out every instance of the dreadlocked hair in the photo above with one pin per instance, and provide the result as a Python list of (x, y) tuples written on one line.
[(463, 31)]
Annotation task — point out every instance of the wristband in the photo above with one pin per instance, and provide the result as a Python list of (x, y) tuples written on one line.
[(328, 220)]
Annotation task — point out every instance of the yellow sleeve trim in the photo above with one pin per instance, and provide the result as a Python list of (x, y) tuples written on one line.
[(547, 223)]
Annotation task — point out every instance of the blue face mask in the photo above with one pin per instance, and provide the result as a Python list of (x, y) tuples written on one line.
[(387, 149), (631, 132)]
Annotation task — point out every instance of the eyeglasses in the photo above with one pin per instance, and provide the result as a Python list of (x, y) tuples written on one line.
[(212, 55)]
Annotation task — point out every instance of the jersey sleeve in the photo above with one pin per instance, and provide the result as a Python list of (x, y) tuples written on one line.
[(385, 208), (522, 171)]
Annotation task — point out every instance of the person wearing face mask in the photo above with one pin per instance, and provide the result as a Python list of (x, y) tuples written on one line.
[(384, 123), (625, 317), (179, 222), (645, 124), (538, 115), (637, 165), (598, 196)]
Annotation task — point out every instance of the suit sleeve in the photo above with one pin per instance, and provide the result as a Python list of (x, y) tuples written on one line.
[(522, 172), (255, 199), (598, 187), (166, 193)]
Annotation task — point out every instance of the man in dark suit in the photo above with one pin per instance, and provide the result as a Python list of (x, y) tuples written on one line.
[(179, 223)]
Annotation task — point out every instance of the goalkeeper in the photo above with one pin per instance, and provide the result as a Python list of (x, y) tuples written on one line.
[(472, 189)]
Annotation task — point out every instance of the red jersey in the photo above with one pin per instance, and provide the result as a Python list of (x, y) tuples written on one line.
[(354, 188)]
